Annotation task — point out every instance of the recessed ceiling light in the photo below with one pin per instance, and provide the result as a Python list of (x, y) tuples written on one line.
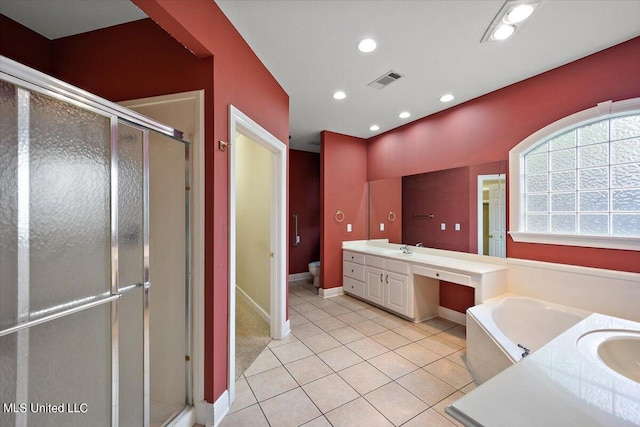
[(503, 32), (447, 97), (404, 115), (374, 128), (367, 45), (339, 95), (518, 14)]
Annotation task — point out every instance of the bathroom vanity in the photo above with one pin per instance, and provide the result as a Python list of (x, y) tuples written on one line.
[(408, 284)]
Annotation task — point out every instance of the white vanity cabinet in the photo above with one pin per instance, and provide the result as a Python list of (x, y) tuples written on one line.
[(387, 284), (353, 271)]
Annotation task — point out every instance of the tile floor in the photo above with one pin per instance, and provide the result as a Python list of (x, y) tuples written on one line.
[(347, 363)]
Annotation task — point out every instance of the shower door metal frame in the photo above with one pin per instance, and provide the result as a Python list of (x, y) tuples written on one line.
[(35, 81)]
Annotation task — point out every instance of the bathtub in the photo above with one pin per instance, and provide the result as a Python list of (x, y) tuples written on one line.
[(495, 328)]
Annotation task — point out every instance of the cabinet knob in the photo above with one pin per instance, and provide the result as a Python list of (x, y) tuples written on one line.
[(352, 270), (437, 274)]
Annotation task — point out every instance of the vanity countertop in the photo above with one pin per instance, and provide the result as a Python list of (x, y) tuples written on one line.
[(457, 262), (560, 385)]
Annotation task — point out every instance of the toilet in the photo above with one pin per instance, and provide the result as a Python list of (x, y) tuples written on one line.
[(314, 269)]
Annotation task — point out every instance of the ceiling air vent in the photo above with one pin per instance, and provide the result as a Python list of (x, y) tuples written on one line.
[(385, 80)]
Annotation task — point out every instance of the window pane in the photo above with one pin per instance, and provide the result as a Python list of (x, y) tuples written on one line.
[(536, 163), (626, 200), (563, 160), (625, 127), (537, 202), (537, 223), (591, 134), (625, 175), (537, 183), (594, 224), (594, 178), (594, 201), (626, 151), (563, 223), (563, 202), (593, 155), (540, 148), (563, 181), (566, 140), (626, 225)]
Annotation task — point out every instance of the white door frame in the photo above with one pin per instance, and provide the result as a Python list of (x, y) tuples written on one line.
[(481, 179), (279, 325)]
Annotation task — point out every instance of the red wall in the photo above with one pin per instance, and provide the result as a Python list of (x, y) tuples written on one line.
[(140, 59), (494, 123), (25, 46), (304, 200), (385, 196), (344, 187)]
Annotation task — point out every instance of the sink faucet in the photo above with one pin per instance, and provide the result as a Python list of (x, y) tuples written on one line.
[(526, 350), (405, 249)]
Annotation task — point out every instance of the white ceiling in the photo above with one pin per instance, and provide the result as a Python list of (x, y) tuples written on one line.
[(310, 48)]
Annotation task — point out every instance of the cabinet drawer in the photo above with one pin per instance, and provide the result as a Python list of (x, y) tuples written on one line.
[(353, 257), (375, 261), (352, 286), (355, 271), (442, 275), (396, 266)]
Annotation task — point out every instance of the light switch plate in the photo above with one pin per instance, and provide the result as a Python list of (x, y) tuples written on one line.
[(349, 228), (382, 226), (457, 227), (443, 226)]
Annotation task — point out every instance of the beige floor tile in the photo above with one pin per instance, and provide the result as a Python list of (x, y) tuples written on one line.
[(369, 327), (411, 332), (297, 319), (321, 342), (294, 300), (371, 312), (305, 308), (447, 335), (351, 318), (459, 357), (367, 348), (417, 354), (290, 409), (358, 413), (428, 327), (391, 340), (342, 299), (430, 418), (308, 369), (244, 396), (247, 417), (364, 378), (271, 383), (323, 302), (390, 321), (330, 392), (346, 335), (450, 372), (441, 324), (439, 407), (439, 345), (337, 310), (355, 305), (265, 361), (321, 421), (305, 331), (392, 365), (291, 352), (426, 387), (286, 340), (340, 358), (395, 403), (330, 324), (469, 387), (318, 314)]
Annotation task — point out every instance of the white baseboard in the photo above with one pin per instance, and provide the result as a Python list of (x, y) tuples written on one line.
[(300, 276), (253, 304), (186, 420), (331, 292), (454, 316), (205, 413), (220, 409)]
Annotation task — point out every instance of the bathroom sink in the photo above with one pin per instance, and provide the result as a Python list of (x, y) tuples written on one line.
[(618, 350)]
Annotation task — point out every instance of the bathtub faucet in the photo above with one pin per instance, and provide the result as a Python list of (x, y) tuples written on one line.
[(405, 249), (526, 350), (419, 245)]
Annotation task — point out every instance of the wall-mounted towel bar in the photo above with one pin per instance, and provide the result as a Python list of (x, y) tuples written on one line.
[(422, 216), (296, 241)]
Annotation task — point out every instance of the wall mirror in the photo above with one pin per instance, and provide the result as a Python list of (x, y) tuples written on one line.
[(461, 209)]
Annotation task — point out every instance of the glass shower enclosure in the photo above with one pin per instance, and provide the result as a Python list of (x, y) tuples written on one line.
[(89, 335)]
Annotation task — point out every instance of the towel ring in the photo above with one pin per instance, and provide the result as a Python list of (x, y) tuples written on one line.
[(391, 216), (339, 216)]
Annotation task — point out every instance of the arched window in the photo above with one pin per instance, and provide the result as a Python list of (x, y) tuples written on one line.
[(577, 181)]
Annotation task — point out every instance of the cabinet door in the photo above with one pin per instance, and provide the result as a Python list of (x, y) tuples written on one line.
[(374, 290), (396, 296)]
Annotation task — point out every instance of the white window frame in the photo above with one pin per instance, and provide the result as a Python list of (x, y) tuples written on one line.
[(602, 111)]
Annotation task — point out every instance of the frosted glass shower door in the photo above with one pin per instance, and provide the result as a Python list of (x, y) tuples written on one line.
[(55, 257)]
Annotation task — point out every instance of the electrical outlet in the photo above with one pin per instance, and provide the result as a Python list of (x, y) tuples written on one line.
[(443, 226), (382, 226), (457, 227), (349, 228)]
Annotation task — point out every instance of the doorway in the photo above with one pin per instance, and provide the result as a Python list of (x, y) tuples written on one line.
[(244, 133), (492, 215)]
